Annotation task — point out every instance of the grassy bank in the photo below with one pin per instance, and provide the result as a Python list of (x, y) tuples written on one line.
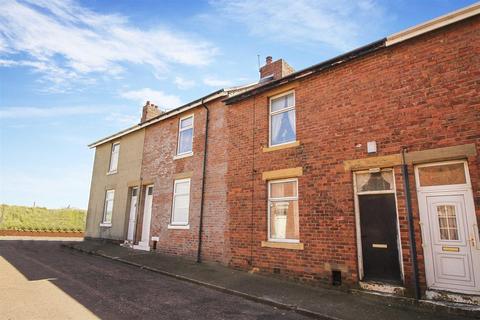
[(41, 219)]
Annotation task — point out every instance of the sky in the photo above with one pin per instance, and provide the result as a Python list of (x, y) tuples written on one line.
[(72, 72)]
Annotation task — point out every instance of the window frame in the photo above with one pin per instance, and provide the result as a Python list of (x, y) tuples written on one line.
[(180, 129), (172, 223), (448, 187), (391, 190), (110, 171), (270, 182), (105, 223), (448, 228), (271, 114)]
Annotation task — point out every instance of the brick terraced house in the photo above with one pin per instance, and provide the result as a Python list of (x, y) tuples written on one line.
[(363, 170)]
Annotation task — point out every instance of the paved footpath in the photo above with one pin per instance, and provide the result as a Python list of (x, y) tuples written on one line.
[(42, 280)]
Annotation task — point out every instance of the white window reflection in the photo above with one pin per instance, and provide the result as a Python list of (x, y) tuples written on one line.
[(181, 202), (282, 119), (108, 209), (185, 135), (283, 211), (447, 221)]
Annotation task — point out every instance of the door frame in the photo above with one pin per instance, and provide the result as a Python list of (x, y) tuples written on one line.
[(129, 207), (357, 219), (448, 189), (141, 244)]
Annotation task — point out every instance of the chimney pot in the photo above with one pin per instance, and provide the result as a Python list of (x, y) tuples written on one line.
[(274, 70), (150, 111)]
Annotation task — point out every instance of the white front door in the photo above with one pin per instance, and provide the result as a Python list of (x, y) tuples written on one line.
[(144, 244), (449, 227), (132, 219)]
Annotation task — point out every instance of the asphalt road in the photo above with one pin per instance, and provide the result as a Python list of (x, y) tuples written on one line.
[(42, 280)]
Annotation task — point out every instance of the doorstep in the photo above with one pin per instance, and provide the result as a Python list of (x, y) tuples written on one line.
[(382, 287), (141, 246), (446, 296)]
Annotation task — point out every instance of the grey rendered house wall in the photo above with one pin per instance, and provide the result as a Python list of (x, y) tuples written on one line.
[(127, 176)]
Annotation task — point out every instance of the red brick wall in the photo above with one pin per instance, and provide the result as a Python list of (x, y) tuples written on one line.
[(279, 68), (421, 94), (160, 167)]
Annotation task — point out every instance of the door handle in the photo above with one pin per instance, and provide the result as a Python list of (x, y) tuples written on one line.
[(474, 237)]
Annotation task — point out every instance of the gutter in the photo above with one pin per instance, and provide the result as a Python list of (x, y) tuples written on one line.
[(325, 65), (193, 104), (202, 200), (163, 116), (436, 23), (413, 32)]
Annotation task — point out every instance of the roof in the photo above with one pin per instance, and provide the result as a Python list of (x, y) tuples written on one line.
[(236, 94), (393, 39), (170, 113)]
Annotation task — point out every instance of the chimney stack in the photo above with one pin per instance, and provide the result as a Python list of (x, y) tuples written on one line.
[(275, 70), (150, 111)]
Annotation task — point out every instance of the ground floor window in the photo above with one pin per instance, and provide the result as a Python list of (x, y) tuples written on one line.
[(283, 218), (181, 202), (108, 209)]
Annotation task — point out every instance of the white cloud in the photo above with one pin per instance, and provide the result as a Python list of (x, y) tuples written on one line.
[(35, 112), (66, 42), (160, 98), (117, 115), (123, 119), (55, 187), (340, 24), (215, 82), (183, 83)]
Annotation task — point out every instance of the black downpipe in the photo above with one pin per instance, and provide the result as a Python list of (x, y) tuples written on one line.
[(200, 225), (411, 230)]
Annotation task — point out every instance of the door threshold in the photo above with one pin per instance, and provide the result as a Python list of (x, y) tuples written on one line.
[(140, 247), (382, 287), (455, 297)]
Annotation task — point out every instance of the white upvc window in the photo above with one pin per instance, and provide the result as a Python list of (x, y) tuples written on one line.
[(180, 203), (108, 208), (283, 220), (114, 158), (282, 119), (185, 135)]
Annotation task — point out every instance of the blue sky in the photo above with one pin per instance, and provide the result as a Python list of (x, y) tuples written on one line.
[(74, 71)]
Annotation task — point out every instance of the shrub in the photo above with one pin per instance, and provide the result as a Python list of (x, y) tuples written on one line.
[(41, 219)]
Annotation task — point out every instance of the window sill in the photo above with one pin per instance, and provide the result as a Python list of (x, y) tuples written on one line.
[(282, 146), (283, 245), (181, 156), (105, 225), (184, 227), (111, 172)]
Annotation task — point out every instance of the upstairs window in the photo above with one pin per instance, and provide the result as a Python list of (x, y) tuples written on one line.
[(185, 135), (282, 119), (114, 158), (181, 202), (108, 209)]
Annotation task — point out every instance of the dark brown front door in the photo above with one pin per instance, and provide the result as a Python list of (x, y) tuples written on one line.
[(378, 225)]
